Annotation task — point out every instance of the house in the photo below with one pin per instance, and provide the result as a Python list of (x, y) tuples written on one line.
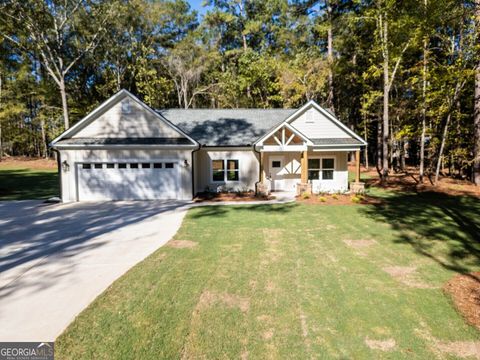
[(124, 150)]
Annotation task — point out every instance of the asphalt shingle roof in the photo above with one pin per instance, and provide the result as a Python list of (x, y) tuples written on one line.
[(336, 141), (226, 127)]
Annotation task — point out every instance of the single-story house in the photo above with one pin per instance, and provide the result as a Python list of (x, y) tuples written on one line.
[(125, 150)]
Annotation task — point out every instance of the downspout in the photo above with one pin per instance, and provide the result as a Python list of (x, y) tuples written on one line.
[(193, 169), (59, 166)]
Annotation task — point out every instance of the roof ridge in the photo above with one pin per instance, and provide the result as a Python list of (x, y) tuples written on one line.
[(227, 109)]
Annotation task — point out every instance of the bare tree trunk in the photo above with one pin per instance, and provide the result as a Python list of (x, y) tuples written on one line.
[(386, 93), (331, 93), (424, 104), (44, 138), (63, 94), (379, 147), (442, 147), (476, 134), (366, 147)]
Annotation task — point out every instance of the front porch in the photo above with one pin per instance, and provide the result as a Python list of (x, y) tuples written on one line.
[(308, 171)]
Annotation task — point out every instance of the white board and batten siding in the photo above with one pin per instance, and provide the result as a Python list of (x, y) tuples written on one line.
[(316, 125), (127, 119), (248, 169)]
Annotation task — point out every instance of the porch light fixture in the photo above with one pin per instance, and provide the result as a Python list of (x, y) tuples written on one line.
[(65, 166), (185, 163)]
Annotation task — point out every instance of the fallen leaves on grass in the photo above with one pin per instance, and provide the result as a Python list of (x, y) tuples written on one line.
[(464, 290)]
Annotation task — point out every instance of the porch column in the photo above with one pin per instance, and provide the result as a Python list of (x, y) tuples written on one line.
[(357, 166), (304, 167)]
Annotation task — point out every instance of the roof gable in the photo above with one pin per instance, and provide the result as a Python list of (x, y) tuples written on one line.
[(124, 116)]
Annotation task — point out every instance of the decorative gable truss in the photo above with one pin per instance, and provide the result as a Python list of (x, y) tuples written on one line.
[(284, 138)]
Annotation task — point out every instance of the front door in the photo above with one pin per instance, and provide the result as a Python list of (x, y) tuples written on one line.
[(276, 173)]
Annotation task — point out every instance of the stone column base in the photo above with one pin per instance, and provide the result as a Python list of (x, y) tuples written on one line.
[(304, 188), (357, 187), (262, 189)]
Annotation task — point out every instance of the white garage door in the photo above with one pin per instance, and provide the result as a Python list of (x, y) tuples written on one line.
[(128, 180)]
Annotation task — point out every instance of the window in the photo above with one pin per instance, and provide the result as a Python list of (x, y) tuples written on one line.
[(321, 169), (218, 170), (157, 165), (86, 166), (98, 166), (276, 164), (145, 165), (232, 170), (133, 166), (122, 166), (313, 169), (110, 166), (328, 166), (168, 165), (225, 170)]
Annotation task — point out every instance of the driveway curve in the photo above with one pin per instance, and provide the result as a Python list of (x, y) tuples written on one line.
[(55, 259)]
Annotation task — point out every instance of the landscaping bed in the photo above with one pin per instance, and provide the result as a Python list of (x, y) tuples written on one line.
[(338, 199), (464, 289), (230, 196)]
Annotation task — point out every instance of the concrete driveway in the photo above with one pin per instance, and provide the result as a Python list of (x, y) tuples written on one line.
[(55, 259)]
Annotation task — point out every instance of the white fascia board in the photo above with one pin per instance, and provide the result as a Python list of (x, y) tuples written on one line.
[(113, 100)]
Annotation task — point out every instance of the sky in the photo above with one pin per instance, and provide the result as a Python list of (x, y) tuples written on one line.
[(197, 5)]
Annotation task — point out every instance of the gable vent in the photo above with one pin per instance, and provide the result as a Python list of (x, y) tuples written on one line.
[(126, 108)]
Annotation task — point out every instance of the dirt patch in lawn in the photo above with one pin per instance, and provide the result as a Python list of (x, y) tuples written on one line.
[(360, 244), (461, 349), (182, 244), (464, 290), (209, 298), (407, 275), (28, 162), (339, 199), (383, 345), (233, 196)]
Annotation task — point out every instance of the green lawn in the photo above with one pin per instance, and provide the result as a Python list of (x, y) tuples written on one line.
[(293, 281), (20, 183)]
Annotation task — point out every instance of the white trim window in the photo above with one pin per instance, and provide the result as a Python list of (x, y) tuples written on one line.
[(225, 170), (321, 168)]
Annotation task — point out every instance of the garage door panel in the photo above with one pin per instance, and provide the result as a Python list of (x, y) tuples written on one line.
[(127, 183)]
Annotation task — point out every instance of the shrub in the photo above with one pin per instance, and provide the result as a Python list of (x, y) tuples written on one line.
[(322, 198), (305, 196), (335, 196), (356, 198)]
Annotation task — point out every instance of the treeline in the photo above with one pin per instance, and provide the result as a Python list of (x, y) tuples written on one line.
[(405, 74)]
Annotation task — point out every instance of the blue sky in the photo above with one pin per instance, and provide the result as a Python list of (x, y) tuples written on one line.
[(197, 5)]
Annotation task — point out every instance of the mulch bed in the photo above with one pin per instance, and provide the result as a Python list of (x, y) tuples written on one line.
[(339, 199), (464, 289), (234, 196)]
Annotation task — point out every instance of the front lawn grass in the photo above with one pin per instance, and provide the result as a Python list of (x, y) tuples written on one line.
[(293, 281), (20, 183)]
